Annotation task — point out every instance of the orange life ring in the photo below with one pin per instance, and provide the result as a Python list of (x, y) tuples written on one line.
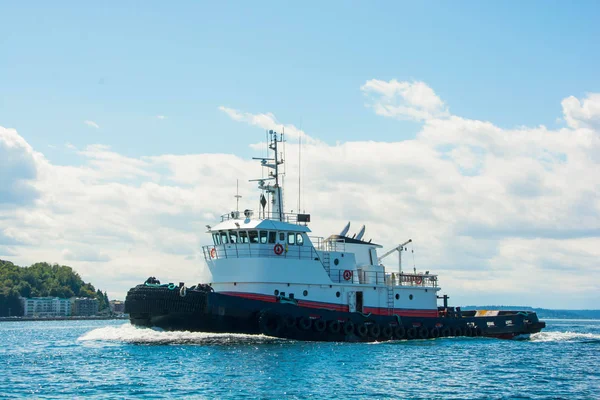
[(213, 252), (418, 280), (278, 249), (347, 274)]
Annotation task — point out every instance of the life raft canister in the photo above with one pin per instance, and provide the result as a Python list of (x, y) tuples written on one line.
[(347, 274), (213, 253), (278, 249)]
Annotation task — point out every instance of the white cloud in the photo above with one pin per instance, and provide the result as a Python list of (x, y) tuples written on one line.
[(404, 100), (85, 254), (268, 121), (161, 117), (582, 114), (504, 215), (92, 124)]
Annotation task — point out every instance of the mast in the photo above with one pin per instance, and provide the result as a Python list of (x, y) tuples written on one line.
[(276, 189)]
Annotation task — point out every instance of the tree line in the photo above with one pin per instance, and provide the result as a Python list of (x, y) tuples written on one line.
[(42, 280)]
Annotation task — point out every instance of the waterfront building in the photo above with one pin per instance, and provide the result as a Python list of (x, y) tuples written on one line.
[(117, 306), (46, 307), (84, 307)]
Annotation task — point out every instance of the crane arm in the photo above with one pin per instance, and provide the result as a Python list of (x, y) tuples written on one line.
[(397, 248)]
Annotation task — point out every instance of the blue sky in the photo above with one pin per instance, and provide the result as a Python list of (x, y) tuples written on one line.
[(122, 65), (471, 127)]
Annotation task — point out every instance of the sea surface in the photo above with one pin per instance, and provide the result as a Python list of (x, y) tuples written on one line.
[(112, 359)]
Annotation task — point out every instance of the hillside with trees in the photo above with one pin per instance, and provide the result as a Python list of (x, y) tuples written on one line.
[(41, 280)]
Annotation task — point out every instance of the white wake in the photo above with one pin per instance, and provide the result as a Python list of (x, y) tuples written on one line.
[(564, 337), (128, 333)]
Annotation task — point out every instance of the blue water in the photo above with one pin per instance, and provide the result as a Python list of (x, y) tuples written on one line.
[(111, 359)]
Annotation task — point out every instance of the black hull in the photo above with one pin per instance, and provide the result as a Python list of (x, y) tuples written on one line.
[(202, 310)]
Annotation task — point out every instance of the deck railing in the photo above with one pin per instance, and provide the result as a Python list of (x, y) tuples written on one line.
[(253, 250), (292, 218), (328, 244), (383, 278)]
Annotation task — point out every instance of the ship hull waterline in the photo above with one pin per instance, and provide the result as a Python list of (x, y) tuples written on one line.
[(203, 310)]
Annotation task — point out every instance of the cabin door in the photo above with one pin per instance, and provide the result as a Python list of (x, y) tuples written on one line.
[(359, 302)]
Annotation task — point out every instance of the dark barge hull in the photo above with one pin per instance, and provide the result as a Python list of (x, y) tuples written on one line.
[(202, 310)]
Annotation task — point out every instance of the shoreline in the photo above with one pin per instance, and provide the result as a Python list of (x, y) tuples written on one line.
[(74, 318)]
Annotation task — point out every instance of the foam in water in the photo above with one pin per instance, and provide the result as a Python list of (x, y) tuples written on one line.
[(563, 337), (130, 334)]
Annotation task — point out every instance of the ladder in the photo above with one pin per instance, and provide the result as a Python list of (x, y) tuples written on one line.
[(326, 262), (390, 300)]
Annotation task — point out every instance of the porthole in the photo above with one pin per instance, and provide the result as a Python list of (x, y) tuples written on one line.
[(397, 296), (410, 296), (425, 290), (305, 293), (234, 283), (336, 261), (337, 294), (276, 292)]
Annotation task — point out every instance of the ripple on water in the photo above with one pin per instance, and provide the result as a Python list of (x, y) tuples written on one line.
[(116, 360)]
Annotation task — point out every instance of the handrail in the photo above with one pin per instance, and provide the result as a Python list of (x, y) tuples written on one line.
[(287, 217), (384, 278), (259, 250)]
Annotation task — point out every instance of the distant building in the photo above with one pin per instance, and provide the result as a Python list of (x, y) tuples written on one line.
[(85, 307), (46, 307), (117, 306)]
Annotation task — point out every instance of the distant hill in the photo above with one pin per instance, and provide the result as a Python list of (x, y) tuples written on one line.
[(544, 312), (41, 280)]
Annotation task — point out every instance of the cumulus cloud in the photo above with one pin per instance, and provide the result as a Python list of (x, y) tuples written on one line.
[(404, 100), (92, 124), (267, 121), (582, 114), (17, 169), (85, 254), (503, 215)]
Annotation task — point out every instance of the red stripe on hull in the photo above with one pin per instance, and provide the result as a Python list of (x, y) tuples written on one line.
[(337, 307)]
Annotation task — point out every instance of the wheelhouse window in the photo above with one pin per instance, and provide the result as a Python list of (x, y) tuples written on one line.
[(224, 238), (281, 236), (272, 237), (243, 236), (233, 236), (299, 239), (253, 236), (263, 237), (216, 238), (291, 238)]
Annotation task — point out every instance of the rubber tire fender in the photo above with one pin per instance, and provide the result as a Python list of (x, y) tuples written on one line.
[(457, 331), (269, 323), (320, 325), (446, 331), (423, 332), (434, 333), (411, 333), (362, 330), (468, 331), (348, 327), (478, 331), (334, 326), (305, 323), (387, 332), (374, 331), (400, 332), (289, 322)]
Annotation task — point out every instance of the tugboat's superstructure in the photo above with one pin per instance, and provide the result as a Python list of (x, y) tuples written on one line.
[(269, 276)]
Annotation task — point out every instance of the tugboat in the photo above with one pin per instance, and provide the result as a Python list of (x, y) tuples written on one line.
[(270, 277)]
